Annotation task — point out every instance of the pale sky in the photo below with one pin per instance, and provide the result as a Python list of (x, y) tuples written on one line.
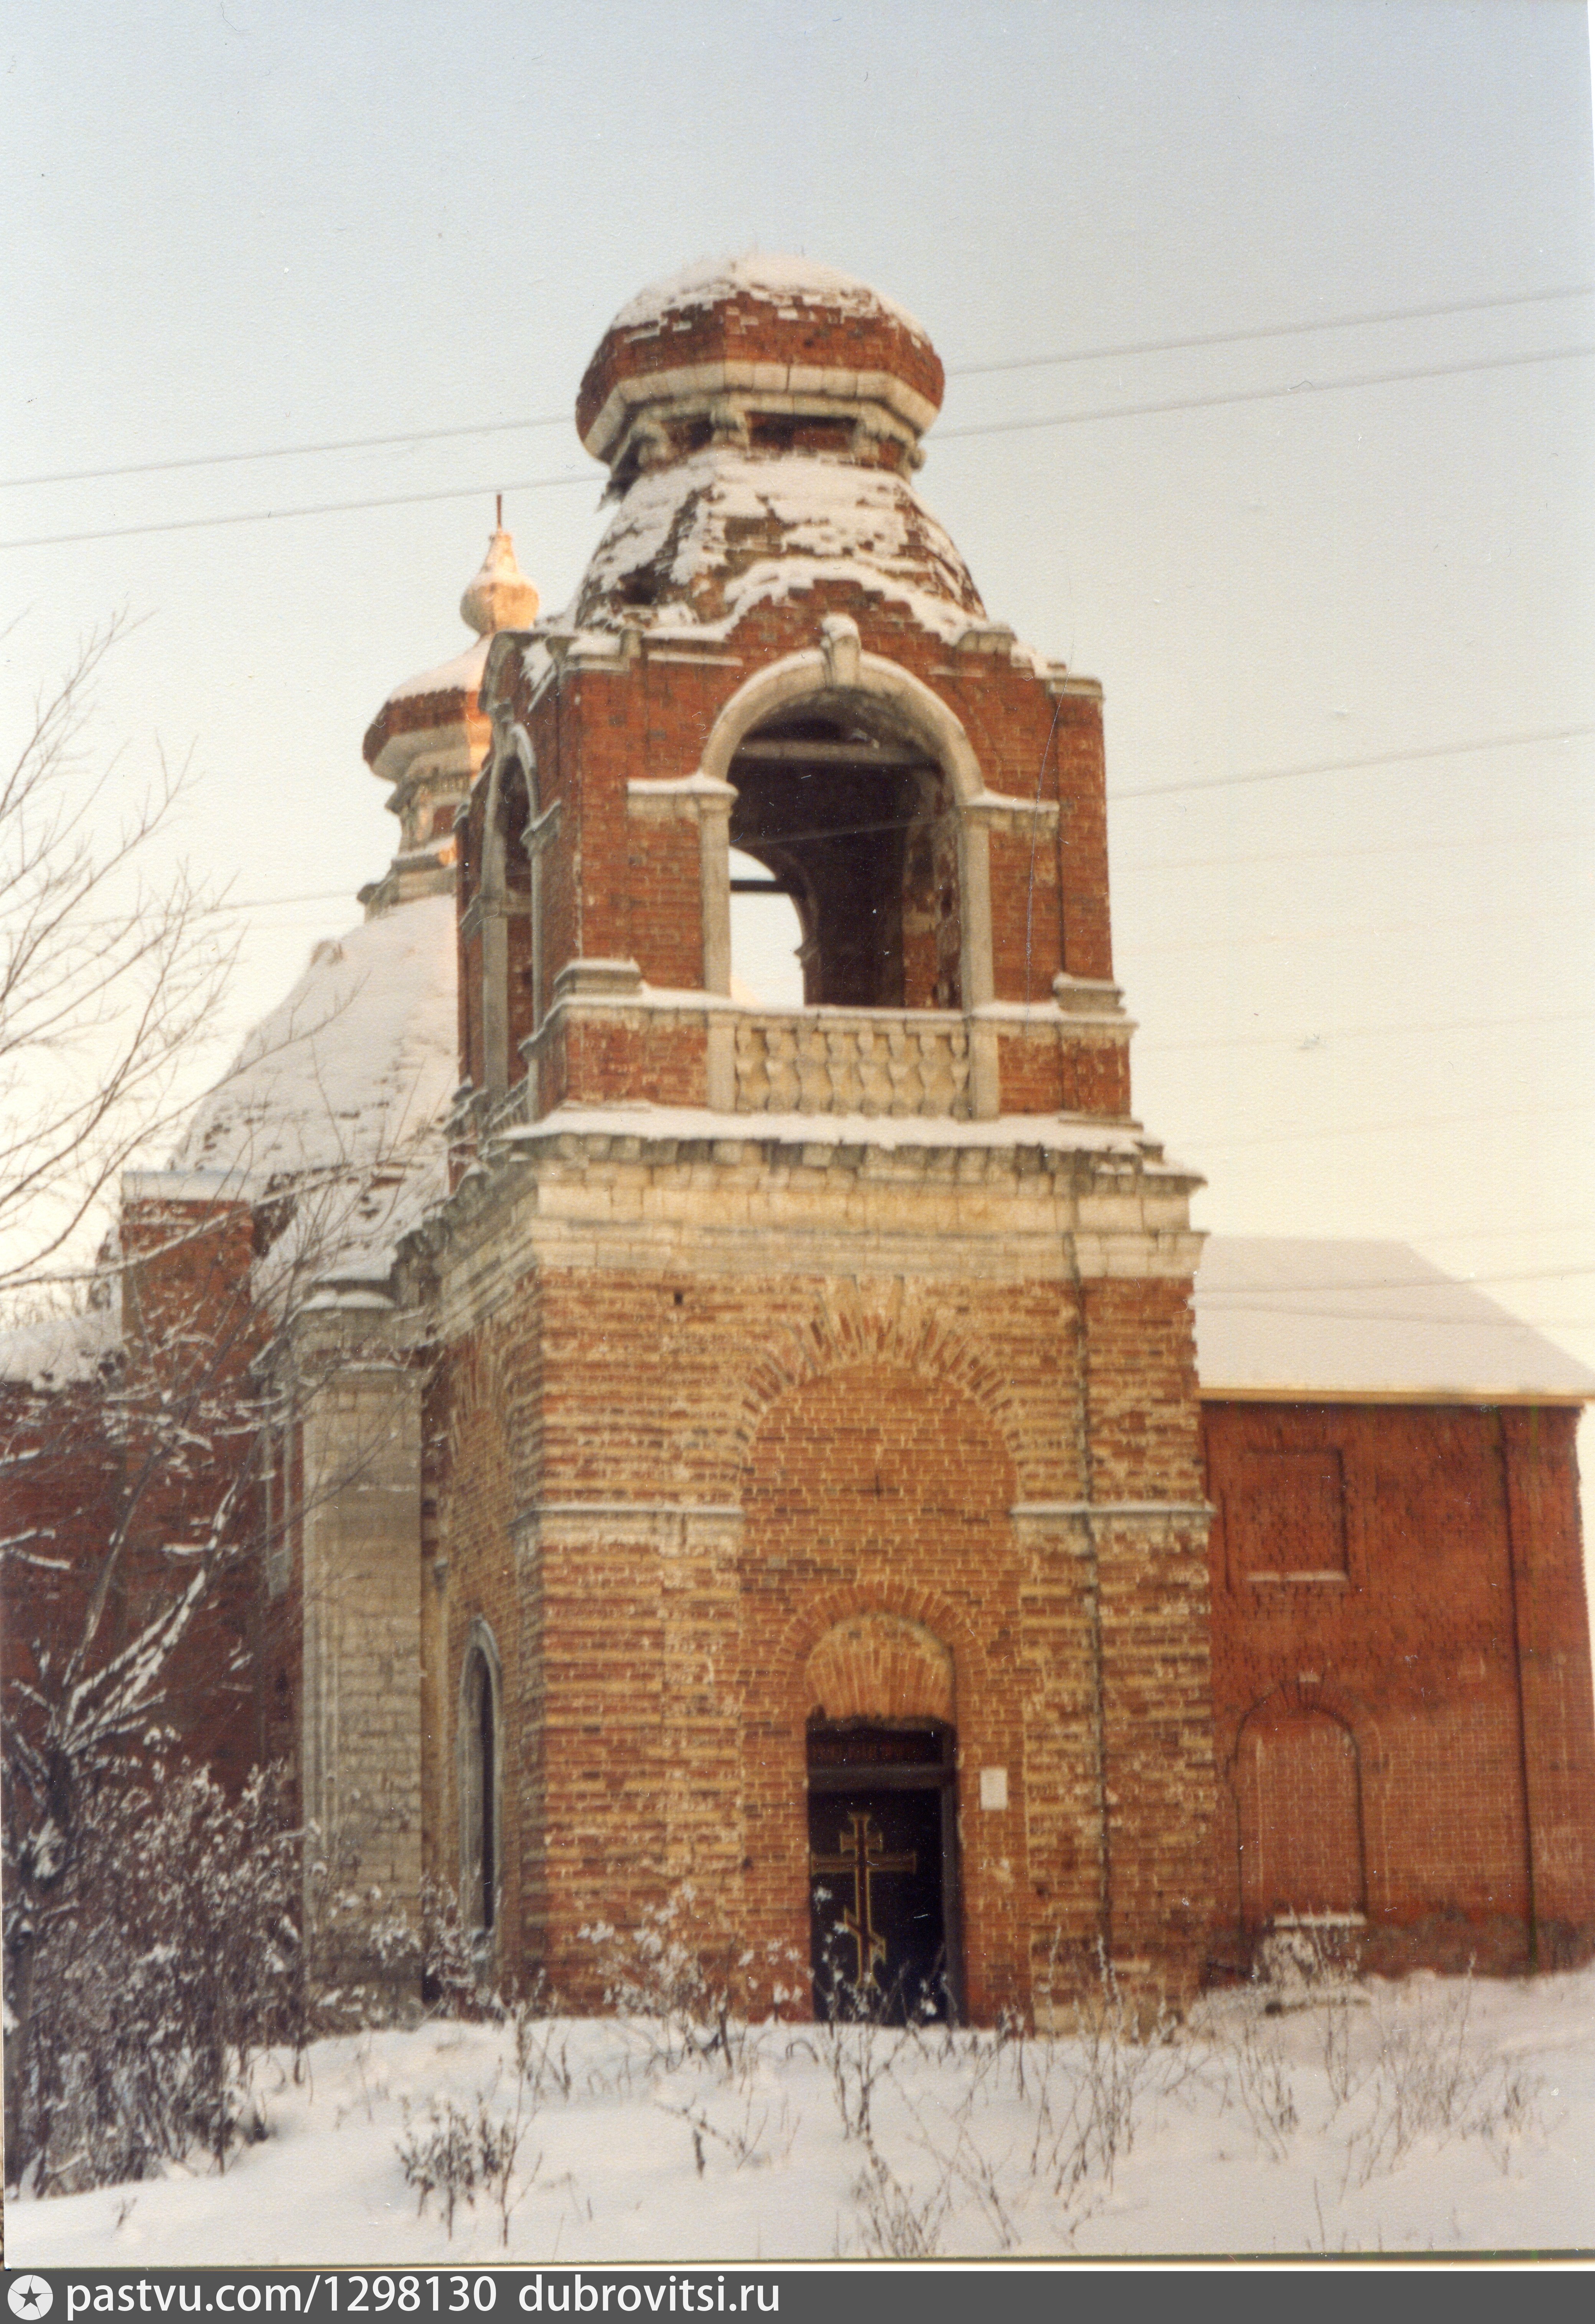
[(1365, 993)]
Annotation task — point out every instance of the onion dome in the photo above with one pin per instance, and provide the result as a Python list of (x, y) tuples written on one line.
[(761, 419), (430, 735), (500, 597)]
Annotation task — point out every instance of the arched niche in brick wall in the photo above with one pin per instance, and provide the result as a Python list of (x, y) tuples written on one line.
[(879, 1666), (849, 777), (1297, 1780)]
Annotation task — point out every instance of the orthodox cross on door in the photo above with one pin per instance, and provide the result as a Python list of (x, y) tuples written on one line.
[(860, 1855)]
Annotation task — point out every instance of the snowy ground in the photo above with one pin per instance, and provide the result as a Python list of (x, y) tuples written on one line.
[(1435, 2114)]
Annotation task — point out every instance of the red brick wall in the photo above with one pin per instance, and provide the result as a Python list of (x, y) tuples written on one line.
[(658, 1671), (132, 1470), (744, 329), (1445, 1641), (621, 886)]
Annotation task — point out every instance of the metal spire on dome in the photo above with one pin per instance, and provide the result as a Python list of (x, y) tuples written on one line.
[(500, 597)]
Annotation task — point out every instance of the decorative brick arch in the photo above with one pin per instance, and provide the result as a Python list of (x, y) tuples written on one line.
[(880, 1577), (879, 1666), (1295, 1779), (901, 1327), (836, 668)]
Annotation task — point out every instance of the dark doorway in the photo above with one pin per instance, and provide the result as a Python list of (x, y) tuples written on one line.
[(883, 1896)]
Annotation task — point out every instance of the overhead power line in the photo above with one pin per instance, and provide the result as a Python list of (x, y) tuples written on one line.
[(1342, 931), (319, 508), (1354, 766), (1269, 331), (1258, 394), (284, 451), (959, 371), (947, 436), (1474, 845)]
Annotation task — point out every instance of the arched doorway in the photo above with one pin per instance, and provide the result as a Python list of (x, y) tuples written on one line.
[(884, 1931), (883, 1870)]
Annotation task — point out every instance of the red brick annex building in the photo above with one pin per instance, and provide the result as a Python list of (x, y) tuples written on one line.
[(757, 1453)]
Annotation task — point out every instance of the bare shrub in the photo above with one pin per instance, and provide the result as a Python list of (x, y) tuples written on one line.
[(1089, 2092), (692, 1988), (1431, 2083), (1262, 2080), (171, 1956), (899, 2224)]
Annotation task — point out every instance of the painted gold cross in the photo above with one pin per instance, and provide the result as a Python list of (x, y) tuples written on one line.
[(861, 1853)]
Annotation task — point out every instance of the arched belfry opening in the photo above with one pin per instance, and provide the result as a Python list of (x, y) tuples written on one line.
[(855, 821)]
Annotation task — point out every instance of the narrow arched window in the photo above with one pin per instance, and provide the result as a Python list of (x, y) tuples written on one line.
[(478, 1788)]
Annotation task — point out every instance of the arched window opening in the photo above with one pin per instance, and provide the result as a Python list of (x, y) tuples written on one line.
[(767, 937), (478, 1804), (853, 819), (506, 901)]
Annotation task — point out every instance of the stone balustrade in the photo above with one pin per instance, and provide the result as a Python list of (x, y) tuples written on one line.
[(874, 1061)]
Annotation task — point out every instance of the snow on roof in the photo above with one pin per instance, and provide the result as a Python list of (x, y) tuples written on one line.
[(724, 533), (462, 675), (759, 274), (1363, 1320), (61, 1351), (350, 1076)]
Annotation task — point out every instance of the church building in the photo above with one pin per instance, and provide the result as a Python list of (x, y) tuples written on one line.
[(781, 1463)]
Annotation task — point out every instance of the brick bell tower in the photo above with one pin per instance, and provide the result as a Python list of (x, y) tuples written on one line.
[(821, 1537)]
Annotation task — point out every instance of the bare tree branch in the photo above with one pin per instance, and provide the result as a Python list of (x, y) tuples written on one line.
[(109, 974)]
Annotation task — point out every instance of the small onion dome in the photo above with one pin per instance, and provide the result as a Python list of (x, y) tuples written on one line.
[(500, 597), (762, 334), (430, 735)]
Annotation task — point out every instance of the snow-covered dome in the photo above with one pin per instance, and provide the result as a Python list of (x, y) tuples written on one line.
[(775, 334), (500, 597), (761, 419), (706, 538), (341, 1093)]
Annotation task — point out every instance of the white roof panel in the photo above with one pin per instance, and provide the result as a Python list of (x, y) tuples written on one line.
[(1363, 1320)]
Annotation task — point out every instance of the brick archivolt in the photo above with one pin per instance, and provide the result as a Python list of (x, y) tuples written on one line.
[(881, 1666), (894, 1323)]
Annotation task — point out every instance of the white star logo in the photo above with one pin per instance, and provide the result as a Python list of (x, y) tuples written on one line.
[(29, 2296)]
